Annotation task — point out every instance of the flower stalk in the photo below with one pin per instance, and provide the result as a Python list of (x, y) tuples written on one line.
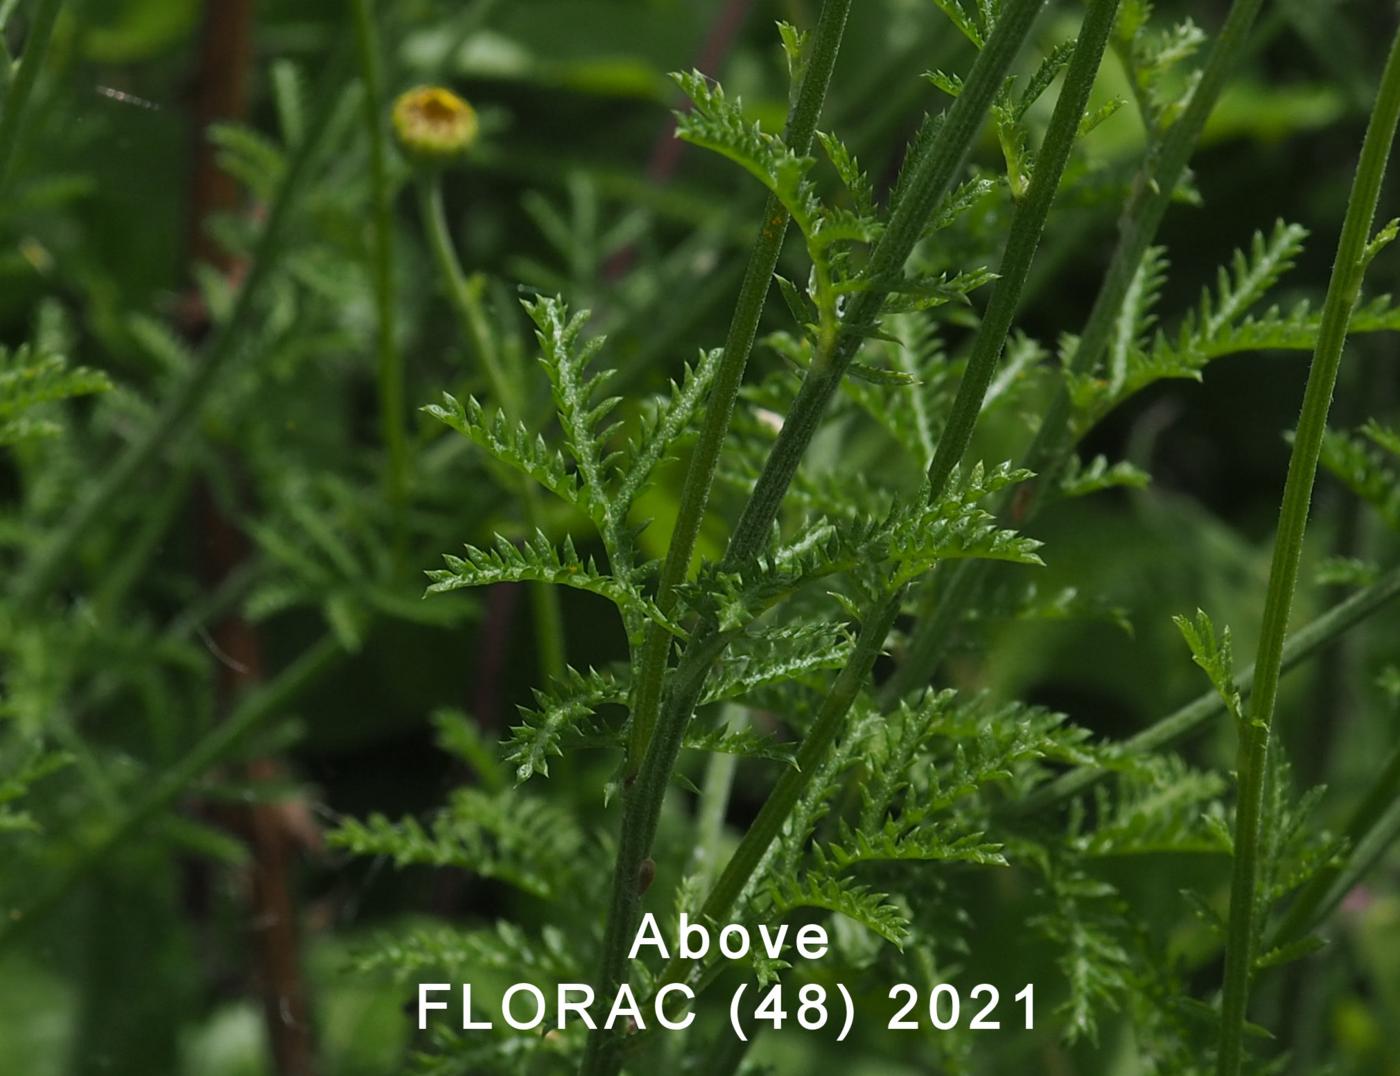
[(464, 293)]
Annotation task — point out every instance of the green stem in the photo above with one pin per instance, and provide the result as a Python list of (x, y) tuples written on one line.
[(1026, 229), (465, 295), (1342, 292), (743, 327), (229, 343), (929, 177), (264, 703), (1153, 190), (1207, 707), (1027, 226), (642, 799), (26, 74), (641, 812), (390, 360), (464, 292)]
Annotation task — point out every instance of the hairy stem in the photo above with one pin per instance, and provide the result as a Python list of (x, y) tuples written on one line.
[(1142, 217), (714, 803), (929, 179), (641, 811), (642, 800), (390, 360), (743, 327), (1027, 226), (1342, 292), (829, 723), (464, 293)]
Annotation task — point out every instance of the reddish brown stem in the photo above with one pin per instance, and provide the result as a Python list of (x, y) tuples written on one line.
[(666, 153), (220, 95), (272, 830)]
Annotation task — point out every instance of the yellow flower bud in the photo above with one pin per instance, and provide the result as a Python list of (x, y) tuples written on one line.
[(434, 125)]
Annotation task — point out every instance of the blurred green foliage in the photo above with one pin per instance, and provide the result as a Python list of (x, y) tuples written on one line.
[(141, 961)]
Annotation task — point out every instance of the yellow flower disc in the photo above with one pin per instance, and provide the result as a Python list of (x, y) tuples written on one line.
[(434, 124)]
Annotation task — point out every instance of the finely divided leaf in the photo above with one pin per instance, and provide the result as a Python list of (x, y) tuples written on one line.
[(538, 561), (1213, 655), (511, 444), (842, 895), (663, 427), (718, 124), (581, 414)]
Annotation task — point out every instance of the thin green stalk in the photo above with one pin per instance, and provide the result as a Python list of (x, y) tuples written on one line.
[(1207, 707), (929, 178), (262, 704), (464, 293), (1142, 216), (25, 75), (743, 327), (642, 802), (1027, 225), (1152, 195), (390, 359), (1342, 292), (181, 408)]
